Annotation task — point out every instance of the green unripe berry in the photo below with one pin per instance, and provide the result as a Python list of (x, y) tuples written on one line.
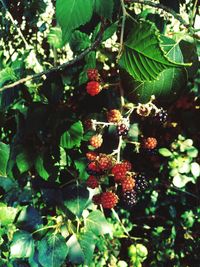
[(132, 251), (141, 250)]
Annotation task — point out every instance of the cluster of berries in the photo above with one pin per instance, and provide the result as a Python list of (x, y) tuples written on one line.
[(93, 87), (130, 183)]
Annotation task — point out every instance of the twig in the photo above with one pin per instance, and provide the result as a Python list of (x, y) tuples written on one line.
[(165, 8), (119, 149), (58, 68), (15, 25), (122, 27)]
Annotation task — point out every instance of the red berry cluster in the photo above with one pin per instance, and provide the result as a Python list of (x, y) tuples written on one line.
[(93, 87)]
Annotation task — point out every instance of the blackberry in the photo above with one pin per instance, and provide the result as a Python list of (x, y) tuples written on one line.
[(122, 129), (161, 116), (141, 182), (93, 169), (130, 198)]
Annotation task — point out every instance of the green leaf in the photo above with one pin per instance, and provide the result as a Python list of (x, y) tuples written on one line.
[(143, 58), (109, 31), (104, 8), (71, 14), (87, 242), (75, 254), (4, 155), (22, 245), (52, 250), (7, 183), (192, 152), (97, 223), (72, 138), (23, 162), (81, 167), (54, 37), (79, 41), (39, 166), (165, 152), (7, 214), (76, 198), (195, 169), (6, 75)]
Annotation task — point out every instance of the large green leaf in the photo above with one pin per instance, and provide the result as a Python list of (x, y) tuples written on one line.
[(4, 155), (80, 166), (88, 241), (71, 14), (52, 250), (104, 8), (97, 223), (7, 214), (22, 245), (143, 57), (76, 198), (72, 138)]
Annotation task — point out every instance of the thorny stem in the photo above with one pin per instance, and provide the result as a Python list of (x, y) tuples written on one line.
[(15, 25)]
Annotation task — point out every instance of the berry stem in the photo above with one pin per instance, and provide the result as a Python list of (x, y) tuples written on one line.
[(119, 149), (120, 222)]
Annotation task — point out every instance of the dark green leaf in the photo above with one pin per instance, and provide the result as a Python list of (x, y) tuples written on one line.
[(71, 14), (23, 162), (22, 245), (72, 138), (4, 155), (81, 167), (110, 31), (39, 166), (79, 41), (97, 223), (143, 58), (104, 8), (76, 198), (52, 250)]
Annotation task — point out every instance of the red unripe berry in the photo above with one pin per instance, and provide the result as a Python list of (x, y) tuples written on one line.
[(104, 162), (127, 164), (93, 88), (91, 155), (96, 140), (92, 182), (128, 184), (114, 116), (93, 74), (150, 143), (119, 171), (109, 200)]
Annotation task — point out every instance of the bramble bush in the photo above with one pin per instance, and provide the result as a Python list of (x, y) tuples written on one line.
[(99, 128)]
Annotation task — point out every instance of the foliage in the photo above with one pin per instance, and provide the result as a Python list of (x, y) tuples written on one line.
[(146, 64)]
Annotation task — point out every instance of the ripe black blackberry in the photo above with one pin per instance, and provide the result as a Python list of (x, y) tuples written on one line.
[(141, 182), (122, 129), (161, 116), (130, 198)]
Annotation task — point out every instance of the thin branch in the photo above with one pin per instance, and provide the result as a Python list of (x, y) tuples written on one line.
[(57, 68), (15, 25), (165, 8), (122, 27)]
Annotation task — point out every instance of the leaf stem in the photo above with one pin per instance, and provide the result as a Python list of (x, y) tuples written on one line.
[(120, 222), (122, 28)]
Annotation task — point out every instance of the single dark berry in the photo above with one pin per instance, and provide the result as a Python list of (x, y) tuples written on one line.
[(109, 200), (130, 198), (96, 199), (122, 129), (141, 182), (161, 116)]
